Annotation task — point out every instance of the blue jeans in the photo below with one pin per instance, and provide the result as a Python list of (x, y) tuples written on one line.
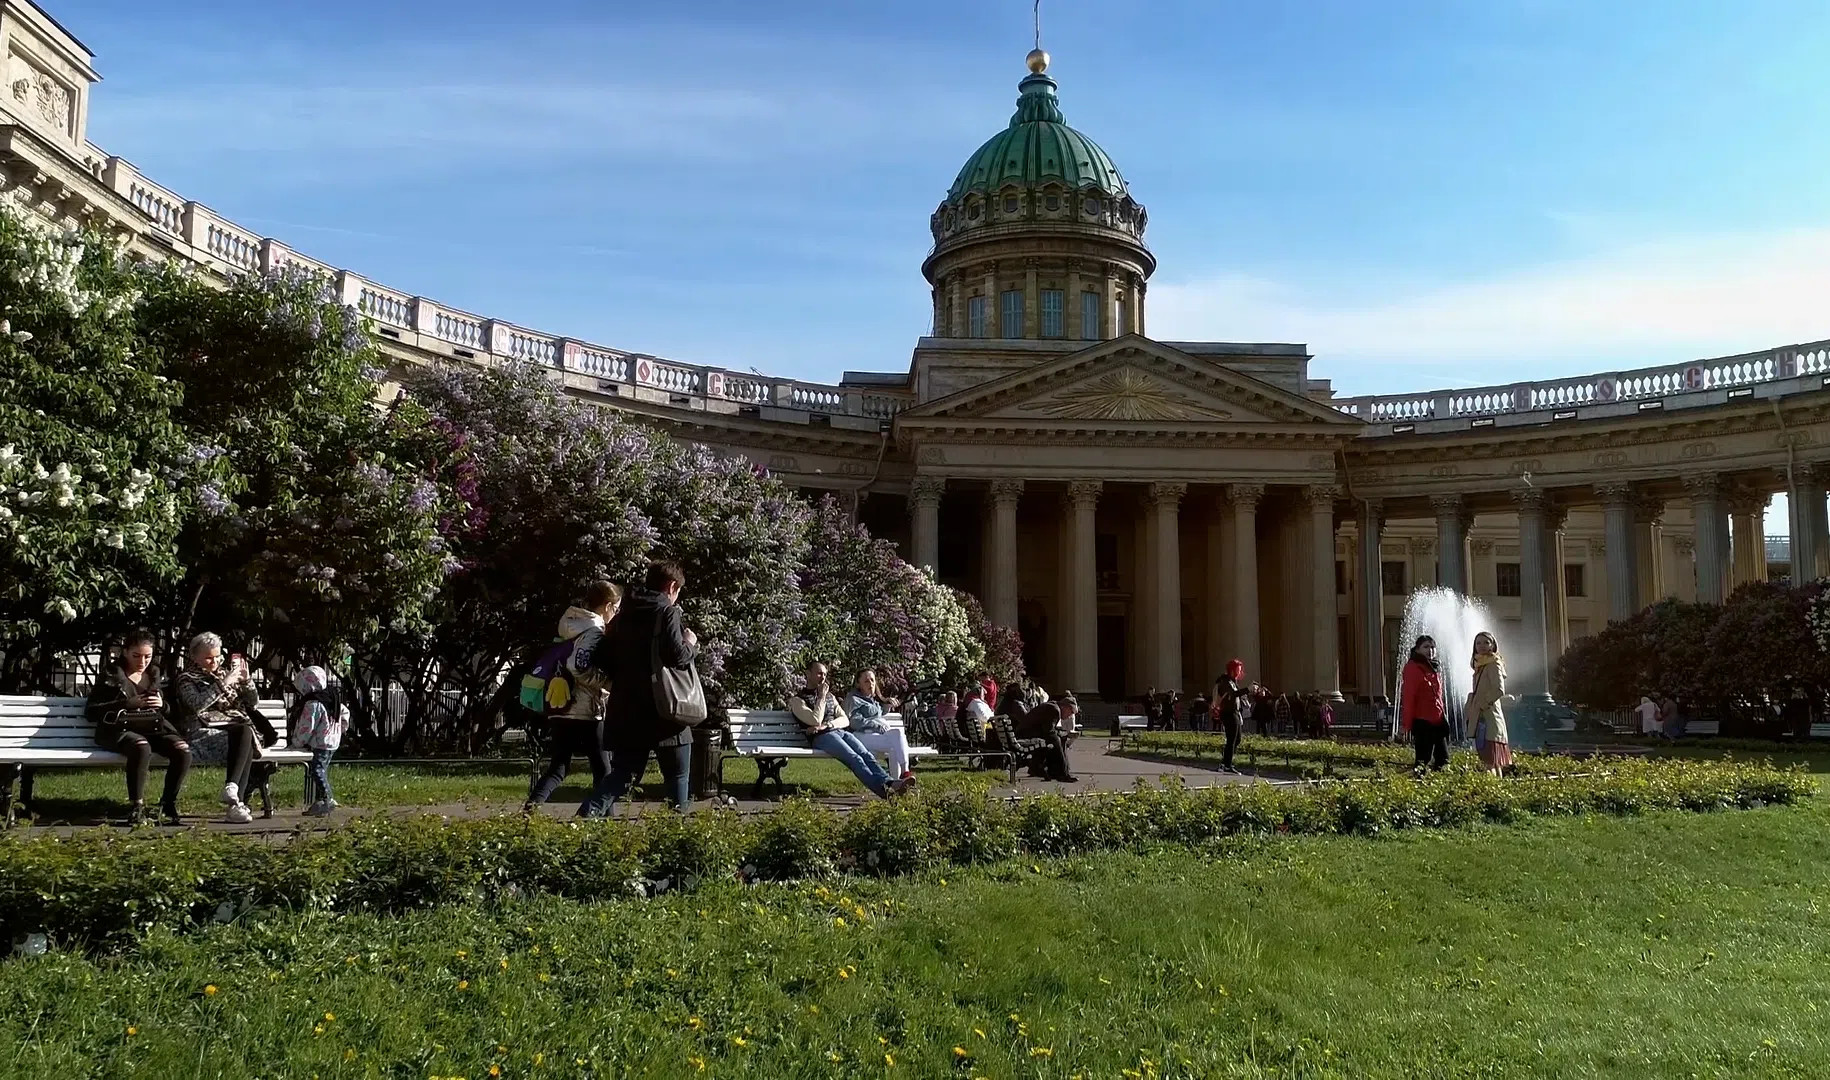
[(320, 774), (845, 746), (626, 766)]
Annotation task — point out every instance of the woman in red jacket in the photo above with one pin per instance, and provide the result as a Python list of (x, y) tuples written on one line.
[(1420, 705)]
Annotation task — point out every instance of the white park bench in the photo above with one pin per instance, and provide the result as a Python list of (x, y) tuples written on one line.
[(55, 733), (771, 738)]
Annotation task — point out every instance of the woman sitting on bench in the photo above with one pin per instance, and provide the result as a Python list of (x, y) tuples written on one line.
[(129, 717), (220, 717), (865, 710), (824, 722)]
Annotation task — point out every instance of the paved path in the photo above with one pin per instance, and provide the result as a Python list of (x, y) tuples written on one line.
[(1095, 768)]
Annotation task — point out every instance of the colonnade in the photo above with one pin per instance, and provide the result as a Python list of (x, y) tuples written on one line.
[(1726, 543)]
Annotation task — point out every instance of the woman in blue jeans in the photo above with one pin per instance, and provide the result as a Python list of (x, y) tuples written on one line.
[(824, 721)]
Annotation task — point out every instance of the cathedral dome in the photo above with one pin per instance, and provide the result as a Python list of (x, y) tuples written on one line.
[(1037, 175), (1038, 145)]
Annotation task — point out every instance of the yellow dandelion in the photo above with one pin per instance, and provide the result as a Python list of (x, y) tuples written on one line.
[(889, 1059), (830, 1056), (980, 1032), (330, 1018), (132, 1031), (694, 1022), (319, 1030), (544, 977), (462, 955), (1042, 1051), (504, 963), (843, 974), (495, 1070), (881, 1041), (837, 921), (539, 1057), (210, 990), (959, 1051), (463, 984), (739, 1040), (500, 1049), (535, 950), (814, 1009), (697, 1062), (349, 1055)]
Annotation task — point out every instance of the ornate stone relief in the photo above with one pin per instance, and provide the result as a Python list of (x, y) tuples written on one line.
[(1481, 546), (927, 489), (1422, 545), (1695, 450), (38, 92), (931, 456), (784, 463), (1684, 545), (1125, 394), (1610, 459)]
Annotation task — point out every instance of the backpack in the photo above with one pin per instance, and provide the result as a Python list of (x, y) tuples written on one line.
[(547, 687)]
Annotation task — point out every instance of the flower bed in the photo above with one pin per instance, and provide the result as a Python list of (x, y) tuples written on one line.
[(104, 887)]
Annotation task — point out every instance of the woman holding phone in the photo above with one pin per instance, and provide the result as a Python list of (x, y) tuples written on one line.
[(221, 717), (129, 716)]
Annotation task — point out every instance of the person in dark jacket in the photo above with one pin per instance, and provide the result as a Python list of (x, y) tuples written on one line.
[(1421, 709), (1231, 700), (129, 717), (633, 725), (1264, 712)]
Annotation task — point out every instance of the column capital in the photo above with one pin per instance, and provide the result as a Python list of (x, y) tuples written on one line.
[(1599, 545), (1615, 493), (1744, 500), (1245, 496), (1685, 545), (1422, 545), (1321, 495), (1531, 502), (1006, 491), (1648, 510), (1555, 517), (1704, 486), (1168, 493), (1446, 505), (1083, 493), (927, 490), (1481, 546), (1375, 507)]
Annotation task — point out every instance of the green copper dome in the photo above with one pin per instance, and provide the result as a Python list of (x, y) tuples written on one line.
[(1038, 146)]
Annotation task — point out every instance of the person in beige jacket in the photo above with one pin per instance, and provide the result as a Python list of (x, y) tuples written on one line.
[(1484, 711)]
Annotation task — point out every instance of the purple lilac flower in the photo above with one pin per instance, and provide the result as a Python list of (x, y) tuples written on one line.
[(211, 500), (422, 498)]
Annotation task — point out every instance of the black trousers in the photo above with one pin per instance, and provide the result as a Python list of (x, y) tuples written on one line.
[(241, 757), (138, 747), (571, 738), (1432, 743), (1232, 725)]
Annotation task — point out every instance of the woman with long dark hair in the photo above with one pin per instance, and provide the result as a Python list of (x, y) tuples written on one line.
[(1421, 709), (129, 716)]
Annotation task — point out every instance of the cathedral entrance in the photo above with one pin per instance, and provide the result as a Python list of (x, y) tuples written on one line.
[(1112, 657)]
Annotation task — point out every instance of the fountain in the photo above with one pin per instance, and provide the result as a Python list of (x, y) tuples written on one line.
[(1453, 620)]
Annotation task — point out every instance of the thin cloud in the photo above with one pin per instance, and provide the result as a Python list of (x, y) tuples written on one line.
[(1646, 303)]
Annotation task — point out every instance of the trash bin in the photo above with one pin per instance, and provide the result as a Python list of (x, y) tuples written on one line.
[(708, 748)]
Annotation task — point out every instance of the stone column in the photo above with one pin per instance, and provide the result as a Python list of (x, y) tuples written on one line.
[(1081, 504), (1535, 671), (1165, 504), (994, 304), (1137, 302), (1245, 499), (1372, 600), (1623, 580), (1032, 300), (1556, 597), (1748, 510), (1712, 556), (1110, 303), (1451, 542), (956, 307), (1070, 314), (1325, 640), (1649, 581), (924, 510), (1001, 604), (1805, 521)]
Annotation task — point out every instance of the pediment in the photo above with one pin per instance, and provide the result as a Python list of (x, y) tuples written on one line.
[(1131, 382)]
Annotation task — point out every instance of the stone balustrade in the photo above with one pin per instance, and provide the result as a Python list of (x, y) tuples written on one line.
[(219, 243)]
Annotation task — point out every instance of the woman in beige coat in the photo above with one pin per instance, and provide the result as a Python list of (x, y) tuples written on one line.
[(1484, 712)]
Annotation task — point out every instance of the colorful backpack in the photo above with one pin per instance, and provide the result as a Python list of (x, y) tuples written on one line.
[(547, 687)]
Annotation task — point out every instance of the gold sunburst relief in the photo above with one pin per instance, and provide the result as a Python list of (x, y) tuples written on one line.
[(1127, 394)]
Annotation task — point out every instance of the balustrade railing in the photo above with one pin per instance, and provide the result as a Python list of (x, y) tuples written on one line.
[(214, 240)]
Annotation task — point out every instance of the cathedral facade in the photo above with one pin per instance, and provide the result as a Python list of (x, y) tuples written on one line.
[(1140, 510)]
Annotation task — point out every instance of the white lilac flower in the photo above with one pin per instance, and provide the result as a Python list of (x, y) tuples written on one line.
[(9, 456), (61, 474), (96, 498), (6, 513), (64, 497), (61, 608), (115, 539), (39, 472)]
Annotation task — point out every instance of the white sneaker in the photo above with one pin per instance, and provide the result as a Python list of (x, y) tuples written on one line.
[(239, 814), (230, 795)]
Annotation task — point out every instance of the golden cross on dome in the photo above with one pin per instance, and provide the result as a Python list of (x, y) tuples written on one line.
[(1037, 59)]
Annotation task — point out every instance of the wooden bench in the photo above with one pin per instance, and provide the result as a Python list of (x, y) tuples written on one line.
[(772, 738), (1703, 727), (55, 733)]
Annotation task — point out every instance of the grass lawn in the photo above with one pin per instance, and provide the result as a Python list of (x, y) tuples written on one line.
[(1667, 945), (91, 794)]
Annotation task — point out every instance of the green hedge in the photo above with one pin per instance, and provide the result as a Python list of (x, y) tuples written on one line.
[(104, 887)]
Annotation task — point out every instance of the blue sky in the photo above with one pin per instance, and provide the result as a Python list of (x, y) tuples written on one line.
[(1427, 193)]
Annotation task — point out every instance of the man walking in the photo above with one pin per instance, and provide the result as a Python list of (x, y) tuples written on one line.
[(634, 727)]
